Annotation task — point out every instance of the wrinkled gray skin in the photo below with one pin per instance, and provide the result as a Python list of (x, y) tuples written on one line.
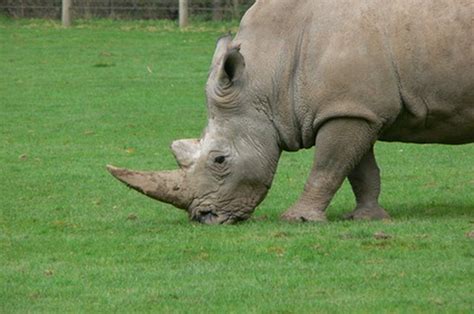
[(336, 74)]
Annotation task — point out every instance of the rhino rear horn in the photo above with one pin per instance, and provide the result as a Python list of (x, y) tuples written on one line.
[(165, 186)]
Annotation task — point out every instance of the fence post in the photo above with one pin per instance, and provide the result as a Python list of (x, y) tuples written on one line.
[(217, 10), (236, 9), (183, 13), (66, 13), (22, 9)]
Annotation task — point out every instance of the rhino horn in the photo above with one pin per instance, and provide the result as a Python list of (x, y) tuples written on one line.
[(165, 186)]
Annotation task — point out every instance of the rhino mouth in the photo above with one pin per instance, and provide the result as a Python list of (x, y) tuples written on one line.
[(211, 217), (214, 211), (205, 216)]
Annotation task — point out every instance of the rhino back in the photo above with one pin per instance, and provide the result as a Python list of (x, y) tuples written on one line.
[(432, 49), (397, 63)]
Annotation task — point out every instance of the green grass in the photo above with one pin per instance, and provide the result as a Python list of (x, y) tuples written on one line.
[(73, 239)]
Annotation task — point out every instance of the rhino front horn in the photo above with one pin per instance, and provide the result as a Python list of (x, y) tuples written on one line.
[(165, 186)]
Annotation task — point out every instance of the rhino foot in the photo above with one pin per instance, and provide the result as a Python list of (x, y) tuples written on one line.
[(367, 213), (297, 214)]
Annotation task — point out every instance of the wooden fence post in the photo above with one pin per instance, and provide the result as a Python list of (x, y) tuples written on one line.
[(22, 9), (183, 13), (236, 9), (66, 13), (217, 10)]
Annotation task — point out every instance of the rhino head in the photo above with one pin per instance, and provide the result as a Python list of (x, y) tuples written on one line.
[(226, 173)]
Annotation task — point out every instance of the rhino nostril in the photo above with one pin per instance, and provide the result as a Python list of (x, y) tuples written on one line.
[(205, 215)]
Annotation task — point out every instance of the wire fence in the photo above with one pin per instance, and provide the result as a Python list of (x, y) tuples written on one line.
[(126, 9)]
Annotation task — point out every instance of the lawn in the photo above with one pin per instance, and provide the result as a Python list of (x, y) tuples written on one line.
[(73, 239)]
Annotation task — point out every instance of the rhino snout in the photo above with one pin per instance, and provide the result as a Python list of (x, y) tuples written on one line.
[(210, 216), (205, 216)]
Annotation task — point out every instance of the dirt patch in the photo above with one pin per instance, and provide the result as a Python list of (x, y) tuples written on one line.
[(132, 216), (380, 235)]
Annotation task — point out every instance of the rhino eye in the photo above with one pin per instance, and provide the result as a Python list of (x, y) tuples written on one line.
[(219, 159)]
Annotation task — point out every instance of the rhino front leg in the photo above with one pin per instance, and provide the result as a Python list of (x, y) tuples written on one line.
[(340, 145), (365, 182)]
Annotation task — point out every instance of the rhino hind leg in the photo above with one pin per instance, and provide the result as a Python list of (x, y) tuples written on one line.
[(340, 145), (365, 182)]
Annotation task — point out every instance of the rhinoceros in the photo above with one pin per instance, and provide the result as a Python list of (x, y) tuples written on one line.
[(339, 75)]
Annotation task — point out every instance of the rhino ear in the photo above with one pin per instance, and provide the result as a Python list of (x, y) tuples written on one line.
[(222, 46), (186, 152), (232, 67)]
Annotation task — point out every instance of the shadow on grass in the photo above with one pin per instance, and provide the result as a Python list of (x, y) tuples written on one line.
[(422, 210), (334, 214), (418, 210)]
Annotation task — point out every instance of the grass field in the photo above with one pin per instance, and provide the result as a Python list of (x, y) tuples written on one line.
[(73, 239)]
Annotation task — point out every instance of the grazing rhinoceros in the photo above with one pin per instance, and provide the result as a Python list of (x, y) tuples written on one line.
[(336, 74)]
